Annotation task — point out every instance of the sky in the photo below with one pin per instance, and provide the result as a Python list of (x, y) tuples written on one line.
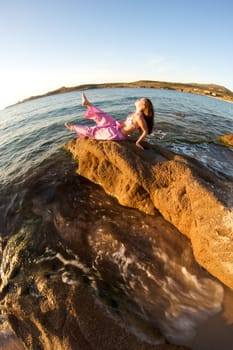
[(47, 44)]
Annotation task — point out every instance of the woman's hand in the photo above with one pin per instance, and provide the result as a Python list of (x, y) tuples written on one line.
[(143, 126), (138, 145)]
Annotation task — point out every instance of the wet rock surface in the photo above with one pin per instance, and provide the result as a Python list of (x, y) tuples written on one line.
[(61, 288)]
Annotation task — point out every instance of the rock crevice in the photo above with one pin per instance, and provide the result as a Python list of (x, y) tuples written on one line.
[(187, 195)]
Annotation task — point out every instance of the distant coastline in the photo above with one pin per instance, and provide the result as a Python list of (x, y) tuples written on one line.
[(211, 90)]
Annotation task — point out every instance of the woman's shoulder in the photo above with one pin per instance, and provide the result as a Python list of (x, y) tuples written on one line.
[(138, 115)]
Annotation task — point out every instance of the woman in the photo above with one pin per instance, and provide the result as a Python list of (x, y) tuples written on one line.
[(107, 128)]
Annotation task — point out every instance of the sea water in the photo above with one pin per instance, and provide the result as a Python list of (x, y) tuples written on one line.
[(186, 123), (182, 301)]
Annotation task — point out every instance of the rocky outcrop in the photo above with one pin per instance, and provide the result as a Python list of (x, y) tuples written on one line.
[(227, 139), (187, 195), (50, 317), (49, 281)]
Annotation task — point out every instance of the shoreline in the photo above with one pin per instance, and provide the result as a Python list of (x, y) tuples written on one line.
[(210, 90)]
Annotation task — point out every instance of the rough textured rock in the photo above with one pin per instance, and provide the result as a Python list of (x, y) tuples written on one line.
[(227, 139), (187, 195), (70, 318), (8, 340), (48, 281)]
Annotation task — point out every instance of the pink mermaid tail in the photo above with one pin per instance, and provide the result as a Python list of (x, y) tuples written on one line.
[(107, 127)]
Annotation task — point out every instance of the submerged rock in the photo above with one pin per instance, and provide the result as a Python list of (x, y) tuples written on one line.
[(194, 200)]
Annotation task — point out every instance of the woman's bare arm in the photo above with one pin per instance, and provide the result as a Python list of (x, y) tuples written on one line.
[(143, 126)]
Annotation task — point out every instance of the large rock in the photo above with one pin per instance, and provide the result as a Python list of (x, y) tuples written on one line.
[(227, 139), (186, 194), (51, 275)]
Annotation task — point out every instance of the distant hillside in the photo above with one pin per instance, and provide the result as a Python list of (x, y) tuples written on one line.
[(211, 90)]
